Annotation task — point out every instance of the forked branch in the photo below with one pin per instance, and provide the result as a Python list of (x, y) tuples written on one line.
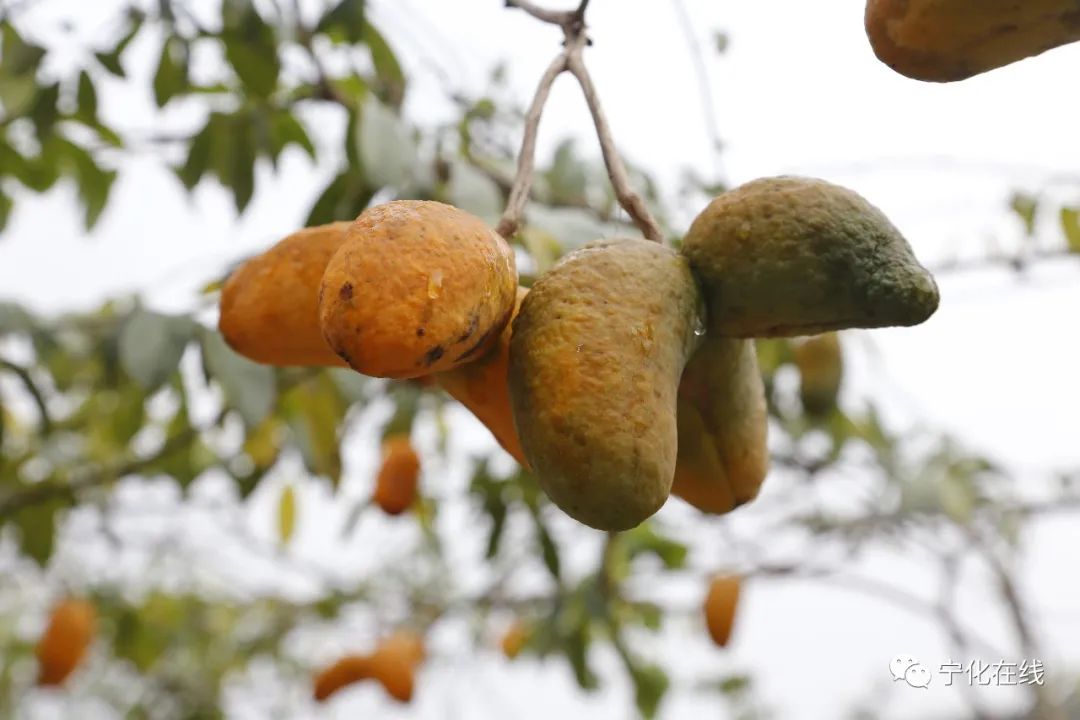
[(570, 59)]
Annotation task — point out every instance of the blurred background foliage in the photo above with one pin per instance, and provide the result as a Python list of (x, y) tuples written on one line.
[(111, 415)]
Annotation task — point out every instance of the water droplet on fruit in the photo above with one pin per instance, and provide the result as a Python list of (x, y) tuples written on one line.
[(434, 284)]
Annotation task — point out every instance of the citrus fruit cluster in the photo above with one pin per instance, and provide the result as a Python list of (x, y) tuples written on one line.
[(628, 371)]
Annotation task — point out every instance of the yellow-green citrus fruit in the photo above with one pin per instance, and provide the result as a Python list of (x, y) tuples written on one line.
[(417, 287), (796, 256), (595, 360), (514, 639), (482, 386), (270, 304), (946, 40), (723, 427), (821, 369), (721, 602), (67, 637)]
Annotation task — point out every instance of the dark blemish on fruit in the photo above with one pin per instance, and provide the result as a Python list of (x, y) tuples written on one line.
[(346, 291), (479, 344), (474, 323), (419, 332), (432, 356)]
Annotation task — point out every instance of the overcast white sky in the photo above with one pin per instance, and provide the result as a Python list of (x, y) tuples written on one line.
[(799, 91)]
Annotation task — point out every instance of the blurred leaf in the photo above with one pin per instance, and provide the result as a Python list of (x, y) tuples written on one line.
[(344, 22), (387, 69), (567, 177), (251, 49), (643, 539), (1025, 206), (43, 111), (171, 76), (263, 443), (473, 191), (111, 60), (286, 130), (721, 42), (36, 525), (650, 685), (86, 97), (385, 146), (248, 388), (548, 550), (286, 514), (14, 318), (1070, 225), (198, 159), (576, 647), (315, 410), (151, 345), (17, 57), (6, 206)]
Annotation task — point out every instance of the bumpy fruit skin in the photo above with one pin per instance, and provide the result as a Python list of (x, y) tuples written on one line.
[(595, 360), (346, 671), (418, 287), (723, 427), (947, 40), (482, 386), (399, 475), (820, 361), (270, 304), (394, 663), (721, 601), (514, 640), (62, 647), (796, 256)]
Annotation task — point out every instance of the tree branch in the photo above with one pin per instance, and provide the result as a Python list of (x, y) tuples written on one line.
[(630, 201), (519, 192)]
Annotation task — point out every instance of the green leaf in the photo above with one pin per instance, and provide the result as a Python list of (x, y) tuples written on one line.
[(248, 388), (86, 97), (286, 514), (567, 177), (198, 159), (111, 60), (343, 23), (576, 647), (18, 57), (171, 76), (1025, 206), (473, 191), (387, 68), (94, 183), (286, 130), (36, 525), (548, 550), (43, 111), (315, 411), (14, 318), (151, 345), (1070, 225), (251, 48), (643, 539), (650, 685), (6, 205), (385, 146)]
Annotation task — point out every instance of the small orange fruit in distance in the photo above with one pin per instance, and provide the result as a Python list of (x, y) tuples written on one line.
[(398, 478), (346, 671), (514, 640), (270, 304), (394, 663), (483, 387), (418, 287), (721, 602), (71, 628)]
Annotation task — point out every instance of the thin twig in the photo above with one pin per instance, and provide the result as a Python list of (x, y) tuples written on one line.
[(31, 387), (519, 192), (552, 17), (630, 201), (701, 71)]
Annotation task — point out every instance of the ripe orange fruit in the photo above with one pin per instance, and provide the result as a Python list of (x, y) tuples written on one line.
[(270, 304), (483, 387), (514, 640), (418, 287), (394, 663), (66, 639), (346, 671), (398, 478), (720, 604)]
